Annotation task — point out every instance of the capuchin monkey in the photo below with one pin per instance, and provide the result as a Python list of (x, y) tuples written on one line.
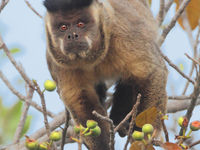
[(91, 41)]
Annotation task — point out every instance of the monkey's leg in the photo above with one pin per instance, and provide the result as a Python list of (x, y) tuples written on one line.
[(81, 102), (123, 99), (154, 94)]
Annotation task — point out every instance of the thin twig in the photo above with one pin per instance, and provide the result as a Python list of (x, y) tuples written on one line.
[(195, 143), (193, 102), (193, 43), (3, 4), (193, 60), (165, 130), (22, 97), (176, 68), (41, 94), (29, 5), (65, 128), (24, 114), (7, 83), (112, 135), (194, 96), (130, 130), (160, 16), (179, 97), (80, 143), (168, 5), (54, 124), (173, 22), (17, 66), (126, 118)]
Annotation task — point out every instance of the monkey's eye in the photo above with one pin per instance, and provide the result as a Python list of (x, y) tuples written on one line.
[(63, 27), (80, 24)]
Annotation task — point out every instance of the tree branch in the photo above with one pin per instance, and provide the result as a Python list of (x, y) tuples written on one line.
[(21, 97), (176, 68), (3, 4), (20, 127), (130, 130), (173, 21), (29, 5), (67, 118), (41, 94), (18, 67), (160, 16)]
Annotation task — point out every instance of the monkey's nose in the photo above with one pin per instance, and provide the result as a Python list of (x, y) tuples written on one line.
[(72, 36)]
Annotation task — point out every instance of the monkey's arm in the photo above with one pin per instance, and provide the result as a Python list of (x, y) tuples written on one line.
[(81, 99)]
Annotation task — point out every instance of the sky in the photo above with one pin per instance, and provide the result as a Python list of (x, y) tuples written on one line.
[(21, 28)]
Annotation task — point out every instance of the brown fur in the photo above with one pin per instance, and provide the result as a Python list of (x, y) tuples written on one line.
[(125, 49)]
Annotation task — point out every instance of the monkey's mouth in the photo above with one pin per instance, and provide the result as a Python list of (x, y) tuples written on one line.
[(75, 51), (76, 47)]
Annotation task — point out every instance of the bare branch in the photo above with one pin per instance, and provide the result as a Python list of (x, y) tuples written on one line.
[(7, 83), (165, 130), (160, 16), (177, 105), (3, 4), (173, 21), (41, 94), (194, 96), (179, 97), (127, 116), (65, 128), (176, 68), (21, 97), (193, 60), (55, 123), (168, 5), (130, 130), (29, 5), (193, 43), (23, 117), (17, 66), (194, 144)]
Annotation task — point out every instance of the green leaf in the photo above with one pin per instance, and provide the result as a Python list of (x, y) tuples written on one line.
[(26, 125), (11, 119), (15, 50), (3, 111)]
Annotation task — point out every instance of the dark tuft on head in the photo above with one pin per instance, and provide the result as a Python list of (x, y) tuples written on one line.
[(65, 5)]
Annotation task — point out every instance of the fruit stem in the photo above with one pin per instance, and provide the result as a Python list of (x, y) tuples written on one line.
[(87, 134), (149, 136), (143, 140), (76, 140), (51, 142), (43, 91), (85, 131), (183, 131), (189, 133)]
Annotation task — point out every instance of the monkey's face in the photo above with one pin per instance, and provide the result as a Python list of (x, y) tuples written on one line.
[(75, 37)]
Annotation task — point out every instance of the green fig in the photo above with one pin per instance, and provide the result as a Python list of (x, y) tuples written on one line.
[(49, 85), (138, 136), (91, 124), (55, 136)]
